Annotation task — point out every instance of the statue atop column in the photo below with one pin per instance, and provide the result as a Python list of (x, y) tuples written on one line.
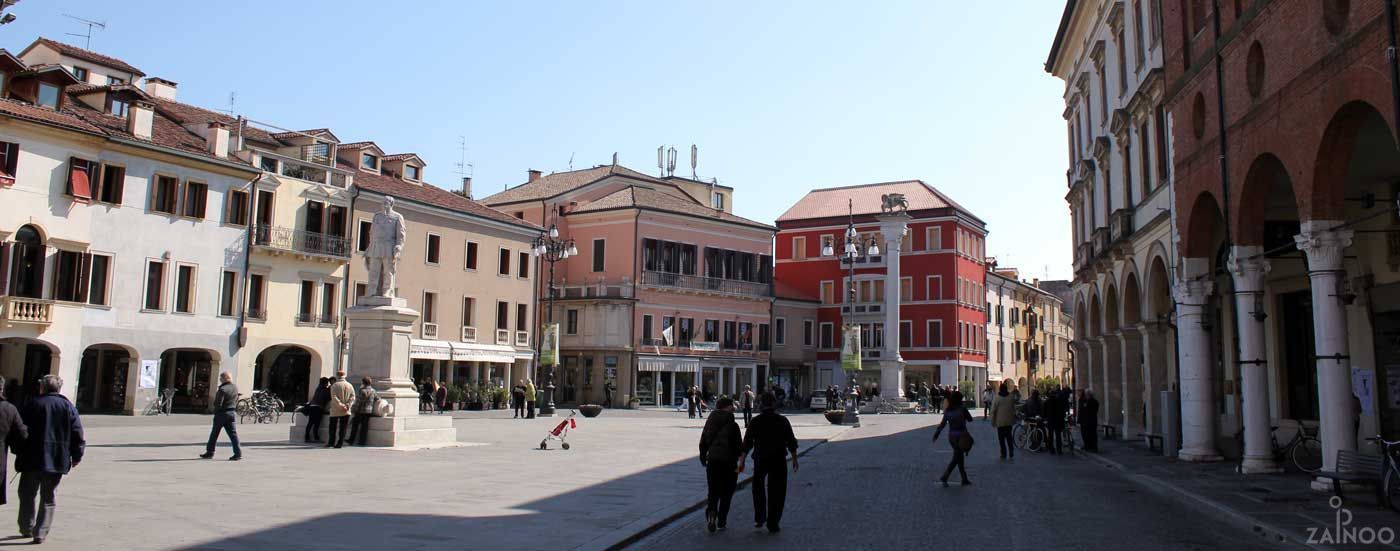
[(386, 238)]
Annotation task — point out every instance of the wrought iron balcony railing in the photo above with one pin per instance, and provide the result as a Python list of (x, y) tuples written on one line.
[(288, 239), (706, 284)]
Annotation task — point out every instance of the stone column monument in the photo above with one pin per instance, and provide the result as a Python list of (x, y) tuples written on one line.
[(893, 224), (379, 328)]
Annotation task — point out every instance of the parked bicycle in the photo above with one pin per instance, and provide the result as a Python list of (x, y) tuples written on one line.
[(1390, 475), (1304, 450), (162, 404), (261, 407), (1029, 433)]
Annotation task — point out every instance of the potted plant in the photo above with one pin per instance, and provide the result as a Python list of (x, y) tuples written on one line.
[(498, 397), (590, 410), (473, 398), (454, 397), (835, 416)]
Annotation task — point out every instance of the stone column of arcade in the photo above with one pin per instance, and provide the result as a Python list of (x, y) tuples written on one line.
[(1111, 399), (892, 228), (1131, 393), (1247, 266), (1197, 404), (1325, 247)]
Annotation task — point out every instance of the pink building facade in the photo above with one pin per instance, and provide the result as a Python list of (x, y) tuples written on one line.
[(666, 292)]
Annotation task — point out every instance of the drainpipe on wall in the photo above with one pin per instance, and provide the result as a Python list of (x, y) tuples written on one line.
[(346, 283), (241, 337)]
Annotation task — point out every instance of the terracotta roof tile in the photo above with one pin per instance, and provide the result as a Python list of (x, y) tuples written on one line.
[(432, 195), (402, 157), (671, 200), (165, 132), (832, 202), (89, 55), (34, 113), (356, 145), (561, 182), (185, 113)]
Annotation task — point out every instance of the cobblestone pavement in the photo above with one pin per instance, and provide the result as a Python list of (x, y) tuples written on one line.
[(876, 488), (141, 486)]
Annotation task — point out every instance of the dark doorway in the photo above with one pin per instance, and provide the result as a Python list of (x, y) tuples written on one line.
[(102, 379), (189, 372), (285, 372), (1300, 368)]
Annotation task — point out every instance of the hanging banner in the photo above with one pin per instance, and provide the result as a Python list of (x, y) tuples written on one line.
[(549, 347), (850, 348)]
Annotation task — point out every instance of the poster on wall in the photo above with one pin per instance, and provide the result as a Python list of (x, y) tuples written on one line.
[(549, 347), (150, 372), (850, 348), (1362, 382)]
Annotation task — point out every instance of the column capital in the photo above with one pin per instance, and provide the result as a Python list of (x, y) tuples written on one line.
[(893, 226), (1193, 291), (1247, 265), (1322, 244)]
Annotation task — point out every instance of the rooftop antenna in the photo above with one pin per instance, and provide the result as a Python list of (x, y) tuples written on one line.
[(694, 152), (614, 158), (463, 168), (671, 161), (660, 160), (87, 38), (232, 103), (571, 161)]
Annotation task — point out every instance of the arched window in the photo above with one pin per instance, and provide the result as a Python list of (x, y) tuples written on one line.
[(27, 268)]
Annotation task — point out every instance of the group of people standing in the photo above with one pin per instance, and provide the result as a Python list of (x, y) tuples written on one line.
[(770, 440), (522, 399)]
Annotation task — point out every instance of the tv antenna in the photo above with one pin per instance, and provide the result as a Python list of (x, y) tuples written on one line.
[(571, 161), (87, 38), (694, 154), (464, 168), (232, 103)]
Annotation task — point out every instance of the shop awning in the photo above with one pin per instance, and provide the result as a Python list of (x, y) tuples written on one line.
[(713, 363), (683, 364), (429, 350), (472, 352)]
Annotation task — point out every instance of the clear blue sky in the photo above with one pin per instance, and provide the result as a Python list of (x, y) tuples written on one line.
[(781, 97)]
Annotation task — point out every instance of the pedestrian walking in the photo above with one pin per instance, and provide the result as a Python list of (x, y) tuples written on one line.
[(12, 432), (315, 410), (691, 396), (517, 399), (365, 403), (342, 400), (747, 400), (875, 390), (55, 445), (440, 398), (720, 446), (955, 419), (1054, 409), (770, 439), (1004, 419), (225, 402), (529, 399), (1089, 421), (608, 388), (987, 398)]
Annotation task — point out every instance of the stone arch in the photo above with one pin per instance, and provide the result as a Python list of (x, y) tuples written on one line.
[(1267, 194), (25, 359), (1204, 226), (104, 377), (1095, 325), (287, 370), (1159, 289), (1131, 298), (1335, 151), (1110, 309), (193, 373)]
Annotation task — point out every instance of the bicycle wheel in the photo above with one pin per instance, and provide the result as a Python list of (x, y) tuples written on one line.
[(1390, 488), (1036, 440), (1307, 455), (1019, 436)]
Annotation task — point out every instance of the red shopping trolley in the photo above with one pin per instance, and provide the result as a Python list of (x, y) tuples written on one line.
[(560, 432)]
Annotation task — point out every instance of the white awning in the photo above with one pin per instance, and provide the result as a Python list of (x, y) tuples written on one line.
[(473, 352), (429, 350), (713, 363), (683, 364)]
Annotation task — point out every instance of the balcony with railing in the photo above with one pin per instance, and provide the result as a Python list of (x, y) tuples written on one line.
[(310, 167), (279, 239), (598, 289), (1120, 224), (705, 348), (26, 311), (706, 285), (1101, 241)]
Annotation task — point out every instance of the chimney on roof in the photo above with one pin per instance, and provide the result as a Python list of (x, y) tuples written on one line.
[(161, 88), (534, 175), (217, 138), (467, 187), (140, 118)]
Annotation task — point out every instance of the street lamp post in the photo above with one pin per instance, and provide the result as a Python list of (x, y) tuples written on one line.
[(549, 247), (853, 248)]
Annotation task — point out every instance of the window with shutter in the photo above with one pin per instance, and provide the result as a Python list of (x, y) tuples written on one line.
[(109, 189), (9, 162), (80, 178), (195, 199)]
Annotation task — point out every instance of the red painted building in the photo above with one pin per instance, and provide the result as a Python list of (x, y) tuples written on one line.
[(941, 300)]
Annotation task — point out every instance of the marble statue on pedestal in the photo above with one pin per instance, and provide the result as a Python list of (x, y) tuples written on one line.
[(386, 238)]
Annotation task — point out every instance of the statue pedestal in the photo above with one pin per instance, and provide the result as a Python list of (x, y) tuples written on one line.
[(380, 329)]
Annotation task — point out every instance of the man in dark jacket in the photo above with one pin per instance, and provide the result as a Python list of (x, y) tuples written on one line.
[(719, 453), (225, 402), (771, 440), (747, 401), (1089, 421), (55, 445), (12, 434)]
